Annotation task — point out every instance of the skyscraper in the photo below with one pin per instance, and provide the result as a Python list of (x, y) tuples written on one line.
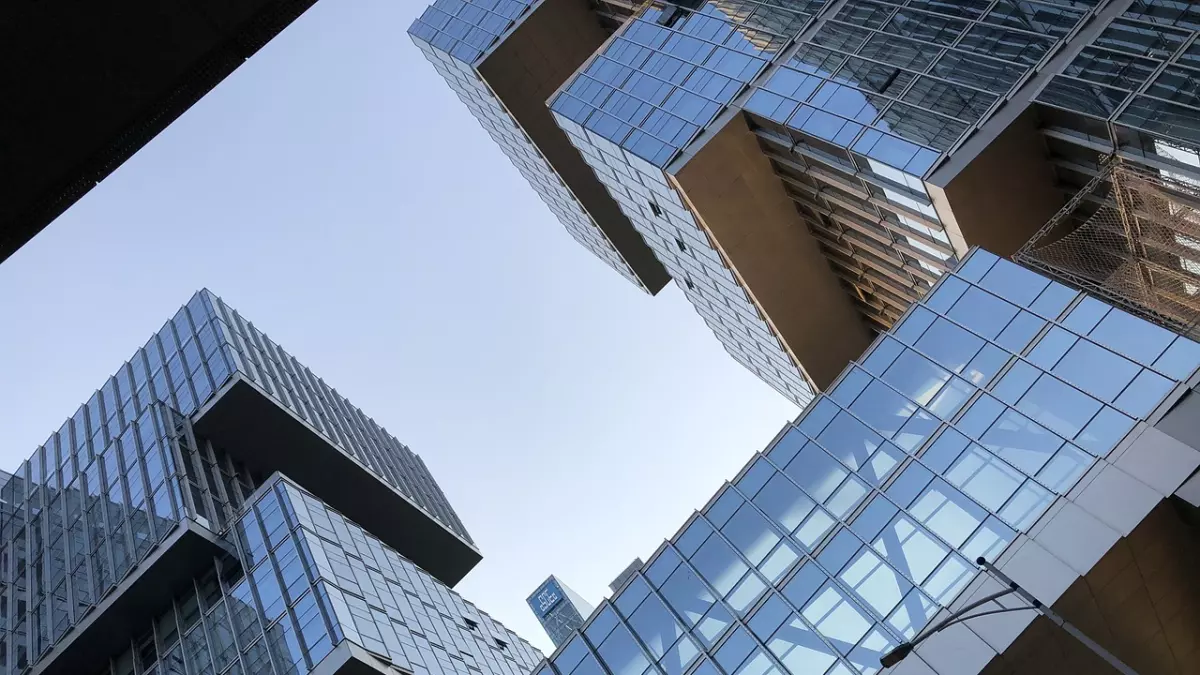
[(625, 575), (88, 84), (559, 609), (217, 508), (1005, 416), (806, 170)]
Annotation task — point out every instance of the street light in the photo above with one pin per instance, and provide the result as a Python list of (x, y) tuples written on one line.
[(904, 649)]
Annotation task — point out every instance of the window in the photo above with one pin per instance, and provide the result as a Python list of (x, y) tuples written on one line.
[(657, 210), (501, 644), (471, 625), (682, 246)]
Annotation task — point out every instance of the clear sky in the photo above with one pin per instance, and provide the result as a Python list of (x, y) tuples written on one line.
[(337, 193)]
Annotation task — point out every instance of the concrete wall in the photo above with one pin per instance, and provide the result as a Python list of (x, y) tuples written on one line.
[(1141, 601), (743, 206), (998, 198)]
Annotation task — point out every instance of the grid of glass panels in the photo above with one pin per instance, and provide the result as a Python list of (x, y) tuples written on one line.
[(1142, 72), (669, 71), (305, 580), (68, 538), (667, 225), (503, 128), (865, 107), (261, 360), (956, 431)]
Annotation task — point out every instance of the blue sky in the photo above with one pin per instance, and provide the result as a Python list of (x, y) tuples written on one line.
[(337, 193)]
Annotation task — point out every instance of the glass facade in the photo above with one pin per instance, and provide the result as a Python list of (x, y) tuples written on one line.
[(454, 35), (670, 228), (946, 441), (303, 580), (123, 482)]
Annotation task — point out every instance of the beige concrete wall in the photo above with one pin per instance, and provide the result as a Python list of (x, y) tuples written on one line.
[(1141, 602), (524, 71), (742, 204), (1003, 195)]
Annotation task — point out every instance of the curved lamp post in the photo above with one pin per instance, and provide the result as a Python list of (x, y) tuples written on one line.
[(904, 649)]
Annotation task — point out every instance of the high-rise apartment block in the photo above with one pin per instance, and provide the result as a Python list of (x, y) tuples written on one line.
[(559, 609), (805, 170), (88, 84), (217, 508), (1005, 416)]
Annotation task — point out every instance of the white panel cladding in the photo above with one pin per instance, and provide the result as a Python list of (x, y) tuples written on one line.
[(1190, 490), (998, 630), (957, 649), (1159, 461), (1076, 538), (1037, 570), (1115, 498)]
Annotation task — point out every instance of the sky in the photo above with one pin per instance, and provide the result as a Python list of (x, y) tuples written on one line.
[(337, 194)]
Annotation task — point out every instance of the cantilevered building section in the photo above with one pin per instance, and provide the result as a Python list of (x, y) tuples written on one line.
[(804, 171), (1005, 416), (217, 507), (504, 58), (87, 84)]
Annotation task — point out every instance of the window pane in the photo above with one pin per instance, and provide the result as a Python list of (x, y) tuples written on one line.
[(1096, 370), (1064, 469), (680, 656), (982, 312), (909, 548), (878, 585), (687, 595), (816, 472), (1132, 337), (655, 626), (881, 464), (836, 617), (1021, 442), (781, 500), (800, 649), (883, 409), (1143, 394), (1103, 433), (1060, 407), (1016, 336), (1026, 506), (916, 377), (621, 654), (716, 562), (989, 541), (947, 512), (913, 614), (984, 477), (849, 440), (1180, 360), (949, 345), (749, 532)]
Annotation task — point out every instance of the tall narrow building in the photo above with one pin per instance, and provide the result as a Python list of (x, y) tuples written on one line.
[(1004, 417), (217, 508), (559, 609), (806, 170)]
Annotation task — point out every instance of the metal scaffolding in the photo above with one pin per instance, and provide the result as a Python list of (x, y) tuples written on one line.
[(1132, 236)]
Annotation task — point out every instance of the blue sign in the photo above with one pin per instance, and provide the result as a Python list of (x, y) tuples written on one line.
[(545, 598)]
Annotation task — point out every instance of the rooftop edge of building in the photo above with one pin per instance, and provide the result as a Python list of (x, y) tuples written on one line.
[(144, 66)]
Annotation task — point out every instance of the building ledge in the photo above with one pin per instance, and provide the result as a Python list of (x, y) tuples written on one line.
[(348, 658), (146, 592), (249, 424)]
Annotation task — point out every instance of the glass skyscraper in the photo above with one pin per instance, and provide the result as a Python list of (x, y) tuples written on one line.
[(805, 170), (559, 609), (217, 508), (1005, 416)]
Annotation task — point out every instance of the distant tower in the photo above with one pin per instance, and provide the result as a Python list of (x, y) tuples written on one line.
[(559, 609), (625, 574)]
